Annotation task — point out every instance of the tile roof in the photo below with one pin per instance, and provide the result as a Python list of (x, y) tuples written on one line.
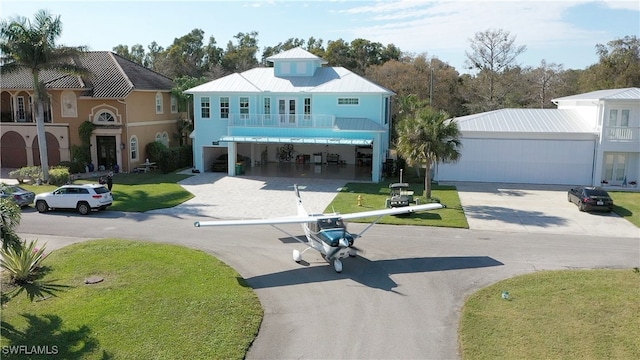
[(611, 94), (112, 76), (525, 121), (324, 80)]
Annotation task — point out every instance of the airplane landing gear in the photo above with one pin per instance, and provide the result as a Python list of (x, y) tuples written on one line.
[(297, 256), (337, 265)]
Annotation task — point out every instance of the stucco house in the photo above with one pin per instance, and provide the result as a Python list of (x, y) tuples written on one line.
[(590, 139), (296, 113), (129, 105)]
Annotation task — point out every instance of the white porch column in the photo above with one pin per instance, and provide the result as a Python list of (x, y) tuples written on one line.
[(232, 148), (376, 159)]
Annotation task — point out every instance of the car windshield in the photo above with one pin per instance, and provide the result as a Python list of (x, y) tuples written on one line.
[(596, 192), (101, 190)]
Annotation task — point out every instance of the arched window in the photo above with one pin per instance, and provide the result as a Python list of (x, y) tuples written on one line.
[(159, 109), (133, 148), (105, 117), (165, 139), (174, 104)]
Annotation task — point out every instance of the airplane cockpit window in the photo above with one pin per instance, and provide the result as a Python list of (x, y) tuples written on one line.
[(333, 223)]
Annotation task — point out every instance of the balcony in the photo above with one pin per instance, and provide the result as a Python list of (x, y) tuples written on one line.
[(621, 134), (317, 121)]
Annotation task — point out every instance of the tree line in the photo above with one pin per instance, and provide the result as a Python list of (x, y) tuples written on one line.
[(495, 79)]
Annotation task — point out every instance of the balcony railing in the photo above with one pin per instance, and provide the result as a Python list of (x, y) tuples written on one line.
[(621, 134), (282, 120)]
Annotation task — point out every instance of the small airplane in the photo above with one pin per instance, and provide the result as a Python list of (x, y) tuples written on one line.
[(325, 233)]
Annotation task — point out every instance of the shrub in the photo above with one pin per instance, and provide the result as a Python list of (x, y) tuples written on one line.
[(156, 151), (10, 217), (30, 173), (59, 175), (22, 262), (75, 167)]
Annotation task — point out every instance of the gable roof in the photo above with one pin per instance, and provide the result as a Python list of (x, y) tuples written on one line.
[(525, 121), (611, 94), (324, 80), (112, 76)]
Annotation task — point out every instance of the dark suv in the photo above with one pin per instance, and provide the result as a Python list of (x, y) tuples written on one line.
[(590, 198)]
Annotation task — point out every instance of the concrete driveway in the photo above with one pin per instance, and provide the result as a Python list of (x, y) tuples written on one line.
[(535, 209)]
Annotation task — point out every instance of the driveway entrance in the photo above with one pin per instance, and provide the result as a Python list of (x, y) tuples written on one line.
[(534, 208)]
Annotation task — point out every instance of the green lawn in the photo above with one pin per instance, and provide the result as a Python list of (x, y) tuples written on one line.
[(582, 314), (374, 197), (157, 301), (627, 205), (138, 192)]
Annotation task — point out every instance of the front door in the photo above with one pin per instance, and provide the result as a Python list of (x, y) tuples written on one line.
[(106, 152), (287, 111)]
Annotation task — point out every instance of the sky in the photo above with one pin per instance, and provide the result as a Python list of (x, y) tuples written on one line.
[(564, 32)]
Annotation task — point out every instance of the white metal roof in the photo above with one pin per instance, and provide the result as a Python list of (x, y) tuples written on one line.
[(296, 54), (324, 80), (611, 94), (525, 121)]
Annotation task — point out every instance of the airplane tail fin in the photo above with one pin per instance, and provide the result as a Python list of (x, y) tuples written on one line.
[(301, 210)]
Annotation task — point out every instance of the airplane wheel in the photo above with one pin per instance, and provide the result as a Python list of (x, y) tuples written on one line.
[(297, 257), (353, 252), (337, 265)]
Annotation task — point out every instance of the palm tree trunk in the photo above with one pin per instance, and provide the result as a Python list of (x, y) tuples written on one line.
[(42, 140), (427, 180)]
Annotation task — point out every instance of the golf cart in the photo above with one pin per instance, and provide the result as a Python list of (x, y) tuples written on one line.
[(400, 195)]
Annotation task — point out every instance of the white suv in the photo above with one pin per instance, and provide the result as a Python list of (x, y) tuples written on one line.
[(83, 198)]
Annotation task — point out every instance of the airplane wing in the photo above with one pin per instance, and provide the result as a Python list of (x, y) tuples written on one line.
[(392, 211), (313, 218), (272, 221)]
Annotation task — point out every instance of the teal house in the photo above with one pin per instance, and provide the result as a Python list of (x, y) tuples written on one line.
[(297, 113)]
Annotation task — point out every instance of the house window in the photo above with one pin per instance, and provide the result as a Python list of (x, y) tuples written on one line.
[(348, 101), (307, 108), (613, 117), (174, 104), (267, 108), (244, 107), (21, 114), (224, 107), (105, 117), (285, 68), (133, 148), (164, 138), (159, 103), (205, 107), (301, 68), (624, 118)]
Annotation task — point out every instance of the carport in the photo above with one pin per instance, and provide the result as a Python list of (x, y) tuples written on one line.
[(304, 156)]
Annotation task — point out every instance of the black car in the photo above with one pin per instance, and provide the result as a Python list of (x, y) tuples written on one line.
[(590, 199)]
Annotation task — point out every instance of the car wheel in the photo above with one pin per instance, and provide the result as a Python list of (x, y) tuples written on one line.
[(83, 208), (42, 206), (582, 207), (569, 198)]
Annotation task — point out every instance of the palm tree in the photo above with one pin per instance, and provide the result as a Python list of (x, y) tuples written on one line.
[(428, 137), (31, 46)]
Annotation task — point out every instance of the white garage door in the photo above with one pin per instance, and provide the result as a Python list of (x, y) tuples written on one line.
[(529, 161)]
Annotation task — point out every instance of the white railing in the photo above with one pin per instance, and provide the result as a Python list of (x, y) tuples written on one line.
[(621, 134), (281, 120)]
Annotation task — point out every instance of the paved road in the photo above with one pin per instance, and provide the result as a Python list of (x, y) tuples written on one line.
[(400, 298)]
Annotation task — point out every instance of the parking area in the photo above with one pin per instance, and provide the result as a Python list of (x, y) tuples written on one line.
[(536, 209)]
